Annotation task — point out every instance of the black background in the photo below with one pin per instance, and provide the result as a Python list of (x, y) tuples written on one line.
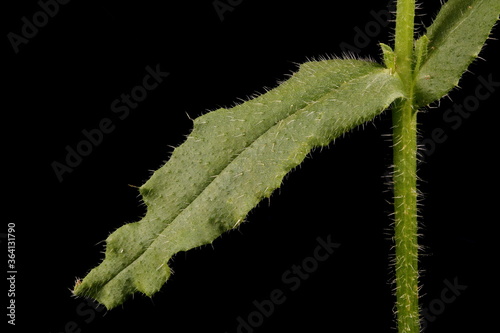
[(66, 77)]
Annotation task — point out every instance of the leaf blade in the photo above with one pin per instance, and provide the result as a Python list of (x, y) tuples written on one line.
[(456, 38), (233, 159)]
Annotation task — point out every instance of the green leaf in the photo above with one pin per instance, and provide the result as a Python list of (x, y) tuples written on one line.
[(455, 39), (231, 161), (421, 51), (389, 57)]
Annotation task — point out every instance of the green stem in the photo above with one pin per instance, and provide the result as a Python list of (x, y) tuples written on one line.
[(405, 208), (405, 178), (403, 48)]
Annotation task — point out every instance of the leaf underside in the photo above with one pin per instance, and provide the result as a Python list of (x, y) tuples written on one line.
[(233, 159), (456, 38)]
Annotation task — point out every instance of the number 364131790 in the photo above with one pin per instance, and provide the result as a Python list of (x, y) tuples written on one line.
[(11, 245)]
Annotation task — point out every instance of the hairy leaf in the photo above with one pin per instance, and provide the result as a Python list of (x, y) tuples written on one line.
[(455, 39), (389, 57), (421, 50), (233, 159)]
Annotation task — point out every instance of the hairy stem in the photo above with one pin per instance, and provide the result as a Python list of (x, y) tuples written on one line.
[(403, 48), (405, 178), (405, 207)]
